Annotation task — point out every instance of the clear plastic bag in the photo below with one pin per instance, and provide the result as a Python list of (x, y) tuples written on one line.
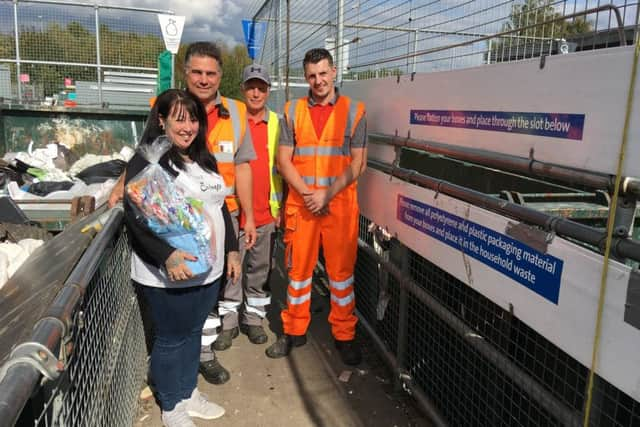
[(178, 219)]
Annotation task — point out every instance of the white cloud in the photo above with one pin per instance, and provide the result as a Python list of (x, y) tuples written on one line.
[(216, 20)]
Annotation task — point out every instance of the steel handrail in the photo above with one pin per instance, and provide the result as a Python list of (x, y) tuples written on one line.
[(526, 166), (620, 247)]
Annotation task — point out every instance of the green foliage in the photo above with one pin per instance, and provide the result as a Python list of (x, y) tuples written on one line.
[(75, 43), (529, 42), (538, 11)]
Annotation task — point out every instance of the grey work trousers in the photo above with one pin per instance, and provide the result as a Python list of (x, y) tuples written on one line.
[(253, 291)]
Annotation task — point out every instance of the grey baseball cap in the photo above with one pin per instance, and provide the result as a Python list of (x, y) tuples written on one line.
[(256, 71)]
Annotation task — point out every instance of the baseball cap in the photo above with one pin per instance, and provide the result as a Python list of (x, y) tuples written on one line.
[(256, 71)]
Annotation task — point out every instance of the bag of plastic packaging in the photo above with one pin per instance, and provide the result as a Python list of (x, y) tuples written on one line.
[(173, 216)]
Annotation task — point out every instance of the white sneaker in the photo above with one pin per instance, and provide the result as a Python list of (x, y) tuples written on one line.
[(177, 417), (198, 406)]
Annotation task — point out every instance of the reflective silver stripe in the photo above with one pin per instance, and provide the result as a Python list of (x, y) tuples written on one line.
[(309, 180), (351, 118), (276, 197), (224, 157), (299, 284), (343, 301), (207, 340), (325, 181), (298, 300), (261, 314), (330, 151), (226, 307), (320, 151), (304, 151), (258, 302), (291, 114), (235, 122), (212, 322), (230, 190), (341, 286)]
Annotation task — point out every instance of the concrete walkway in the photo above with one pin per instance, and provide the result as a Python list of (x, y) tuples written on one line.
[(311, 387)]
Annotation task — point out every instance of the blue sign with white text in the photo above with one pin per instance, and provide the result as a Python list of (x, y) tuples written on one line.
[(556, 125), (537, 271), (254, 34)]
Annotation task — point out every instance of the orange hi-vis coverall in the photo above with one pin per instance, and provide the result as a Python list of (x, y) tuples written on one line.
[(320, 160)]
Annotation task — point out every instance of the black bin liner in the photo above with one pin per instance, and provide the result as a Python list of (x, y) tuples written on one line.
[(46, 187), (102, 171)]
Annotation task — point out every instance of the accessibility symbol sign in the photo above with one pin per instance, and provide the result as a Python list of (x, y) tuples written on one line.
[(254, 34)]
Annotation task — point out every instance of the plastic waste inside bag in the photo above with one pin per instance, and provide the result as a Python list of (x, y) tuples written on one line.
[(178, 219)]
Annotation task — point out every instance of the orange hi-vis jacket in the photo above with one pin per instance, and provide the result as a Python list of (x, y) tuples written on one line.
[(223, 141), (321, 159)]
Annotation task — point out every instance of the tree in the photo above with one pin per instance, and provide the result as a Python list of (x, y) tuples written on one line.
[(539, 39), (538, 11)]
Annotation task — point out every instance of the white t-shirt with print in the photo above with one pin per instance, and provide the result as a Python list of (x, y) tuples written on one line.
[(208, 187)]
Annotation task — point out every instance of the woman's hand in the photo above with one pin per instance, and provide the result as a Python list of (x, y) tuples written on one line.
[(177, 268), (234, 266)]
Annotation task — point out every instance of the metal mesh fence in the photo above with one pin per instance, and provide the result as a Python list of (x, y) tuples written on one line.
[(377, 38), (47, 47), (465, 386), (102, 379)]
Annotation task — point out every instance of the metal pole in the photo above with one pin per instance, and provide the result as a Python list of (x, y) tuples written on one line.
[(173, 70), (277, 42), (339, 42), (286, 91), (415, 49), (98, 62), (403, 313), (16, 35)]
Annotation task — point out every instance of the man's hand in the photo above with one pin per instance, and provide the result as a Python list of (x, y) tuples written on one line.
[(117, 193), (177, 268), (316, 201), (234, 266), (250, 234)]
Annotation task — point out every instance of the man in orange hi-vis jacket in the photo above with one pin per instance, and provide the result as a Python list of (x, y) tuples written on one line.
[(322, 153)]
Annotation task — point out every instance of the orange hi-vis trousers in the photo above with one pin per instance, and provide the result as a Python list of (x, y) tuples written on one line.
[(337, 232)]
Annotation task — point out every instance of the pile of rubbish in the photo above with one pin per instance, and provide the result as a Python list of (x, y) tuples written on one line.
[(56, 172), (42, 175)]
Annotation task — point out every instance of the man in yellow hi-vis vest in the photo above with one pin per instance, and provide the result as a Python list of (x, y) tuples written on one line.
[(264, 126)]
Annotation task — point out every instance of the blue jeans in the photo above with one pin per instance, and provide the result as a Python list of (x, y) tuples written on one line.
[(178, 317)]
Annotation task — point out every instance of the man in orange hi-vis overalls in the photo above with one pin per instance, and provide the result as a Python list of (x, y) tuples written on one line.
[(322, 153)]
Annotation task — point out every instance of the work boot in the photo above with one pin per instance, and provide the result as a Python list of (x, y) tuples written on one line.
[(255, 333), (283, 345), (198, 406), (177, 417), (225, 338), (349, 352), (213, 371)]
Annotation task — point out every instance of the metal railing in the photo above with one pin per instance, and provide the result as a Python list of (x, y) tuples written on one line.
[(89, 347), (48, 47), (374, 39), (468, 360)]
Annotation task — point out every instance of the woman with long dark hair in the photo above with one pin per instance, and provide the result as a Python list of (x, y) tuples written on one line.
[(178, 299)]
